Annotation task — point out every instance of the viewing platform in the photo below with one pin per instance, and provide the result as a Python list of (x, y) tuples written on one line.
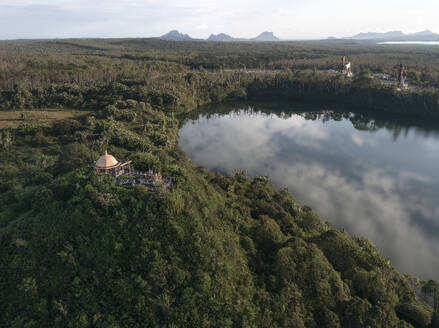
[(153, 180), (126, 175)]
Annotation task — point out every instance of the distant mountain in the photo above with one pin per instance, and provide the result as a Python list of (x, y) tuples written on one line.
[(220, 37), (426, 35), (266, 36), (263, 37), (372, 35), (176, 36)]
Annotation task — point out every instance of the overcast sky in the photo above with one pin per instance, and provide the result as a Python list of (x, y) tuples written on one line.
[(288, 19)]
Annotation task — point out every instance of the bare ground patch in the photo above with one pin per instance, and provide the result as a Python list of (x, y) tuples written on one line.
[(13, 118)]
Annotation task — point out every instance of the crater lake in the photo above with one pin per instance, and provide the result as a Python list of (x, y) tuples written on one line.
[(376, 178)]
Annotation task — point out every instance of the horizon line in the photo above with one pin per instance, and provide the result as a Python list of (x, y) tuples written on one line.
[(206, 39)]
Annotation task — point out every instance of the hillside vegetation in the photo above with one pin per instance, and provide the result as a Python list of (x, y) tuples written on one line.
[(211, 251)]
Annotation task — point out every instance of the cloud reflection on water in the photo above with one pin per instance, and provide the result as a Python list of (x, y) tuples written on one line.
[(369, 183)]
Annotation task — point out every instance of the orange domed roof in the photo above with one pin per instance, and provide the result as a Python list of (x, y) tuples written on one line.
[(106, 161)]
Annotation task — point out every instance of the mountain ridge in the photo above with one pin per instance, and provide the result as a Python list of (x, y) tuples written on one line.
[(425, 35), (375, 35), (175, 35)]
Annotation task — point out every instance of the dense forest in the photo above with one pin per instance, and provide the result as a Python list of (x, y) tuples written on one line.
[(95, 73), (212, 250)]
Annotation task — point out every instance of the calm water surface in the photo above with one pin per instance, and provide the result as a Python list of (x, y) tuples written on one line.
[(375, 179), (427, 43)]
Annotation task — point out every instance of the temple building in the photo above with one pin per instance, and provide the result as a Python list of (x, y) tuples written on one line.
[(401, 78), (110, 165), (346, 68)]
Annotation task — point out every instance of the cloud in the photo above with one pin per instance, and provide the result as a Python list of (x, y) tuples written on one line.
[(203, 26), (289, 19), (360, 141)]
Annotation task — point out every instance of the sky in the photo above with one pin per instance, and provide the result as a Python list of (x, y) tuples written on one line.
[(288, 19)]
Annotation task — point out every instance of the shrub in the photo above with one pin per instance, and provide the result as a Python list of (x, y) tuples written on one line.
[(146, 161), (414, 314)]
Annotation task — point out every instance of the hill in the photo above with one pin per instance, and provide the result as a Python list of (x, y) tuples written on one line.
[(79, 251), (220, 37), (266, 36), (175, 35)]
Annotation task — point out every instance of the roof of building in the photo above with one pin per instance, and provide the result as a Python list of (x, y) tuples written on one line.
[(106, 161)]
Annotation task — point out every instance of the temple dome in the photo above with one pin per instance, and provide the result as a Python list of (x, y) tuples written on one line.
[(106, 161)]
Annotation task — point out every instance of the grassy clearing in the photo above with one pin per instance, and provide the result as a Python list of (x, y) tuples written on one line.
[(14, 118)]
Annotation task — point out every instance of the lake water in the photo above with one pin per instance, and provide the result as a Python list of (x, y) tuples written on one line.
[(378, 179), (425, 43)]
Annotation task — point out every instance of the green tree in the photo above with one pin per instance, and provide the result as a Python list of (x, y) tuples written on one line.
[(6, 139)]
